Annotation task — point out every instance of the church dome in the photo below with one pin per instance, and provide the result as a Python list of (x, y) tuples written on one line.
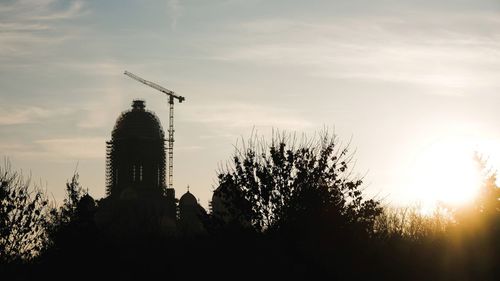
[(138, 123), (86, 206), (188, 199), (135, 162)]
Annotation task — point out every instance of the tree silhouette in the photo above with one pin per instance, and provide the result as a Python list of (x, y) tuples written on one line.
[(287, 184), (23, 217), (488, 201), (74, 193), (484, 210), (74, 218)]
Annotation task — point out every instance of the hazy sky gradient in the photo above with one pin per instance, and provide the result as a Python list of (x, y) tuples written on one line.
[(396, 76)]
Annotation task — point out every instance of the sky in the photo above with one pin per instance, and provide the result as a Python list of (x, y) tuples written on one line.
[(400, 80)]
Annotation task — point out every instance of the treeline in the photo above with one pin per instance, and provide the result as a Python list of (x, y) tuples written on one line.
[(290, 208)]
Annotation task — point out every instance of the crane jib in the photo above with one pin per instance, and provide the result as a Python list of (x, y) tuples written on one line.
[(172, 96), (154, 86)]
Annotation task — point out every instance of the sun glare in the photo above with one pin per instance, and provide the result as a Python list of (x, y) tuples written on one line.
[(446, 172)]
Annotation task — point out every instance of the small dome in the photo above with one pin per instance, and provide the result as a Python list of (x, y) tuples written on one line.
[(138, 123), (86, 205), (188, 199), (87, 200)]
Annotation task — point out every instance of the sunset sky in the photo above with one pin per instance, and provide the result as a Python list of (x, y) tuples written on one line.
[(415, 84)]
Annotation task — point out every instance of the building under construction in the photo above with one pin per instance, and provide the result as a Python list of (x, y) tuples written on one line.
[(136, 154), (138, 198)]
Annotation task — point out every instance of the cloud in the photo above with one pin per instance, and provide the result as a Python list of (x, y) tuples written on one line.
[(26, 114), (101, 103), (73, 148), (40, 10), (189, 148), (57, 149), (174, 12), (18, 27), (27, 27), (447, 53), (13, 147), (74, 10), (244, 115), (95, 68), (101, 110)]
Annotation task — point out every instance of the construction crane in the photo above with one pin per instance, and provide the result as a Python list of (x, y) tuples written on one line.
[(171, 97)]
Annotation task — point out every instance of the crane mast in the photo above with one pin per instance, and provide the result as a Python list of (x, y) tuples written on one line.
[(171, 97)]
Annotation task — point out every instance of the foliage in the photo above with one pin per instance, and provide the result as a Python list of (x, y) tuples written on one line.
[(67, 213), (74, 193), (484, 211), (410, 223), (288, 183), (488, 200), (23, 217)]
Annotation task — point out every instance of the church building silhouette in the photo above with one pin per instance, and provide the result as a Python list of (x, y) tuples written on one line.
[(138, 201)]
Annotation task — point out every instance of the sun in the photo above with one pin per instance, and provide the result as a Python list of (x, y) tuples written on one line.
[(445, 172)]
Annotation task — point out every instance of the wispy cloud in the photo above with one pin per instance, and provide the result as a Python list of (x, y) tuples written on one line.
[(190, 148), (244, 115), (13, 147), (57, 149), (18, 27), (26, 26), (26, 114), (40, 10), (73, 148), (448, 54), (101, 103), (101, 111), (75, 9), (174, 12), (96, 68)]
